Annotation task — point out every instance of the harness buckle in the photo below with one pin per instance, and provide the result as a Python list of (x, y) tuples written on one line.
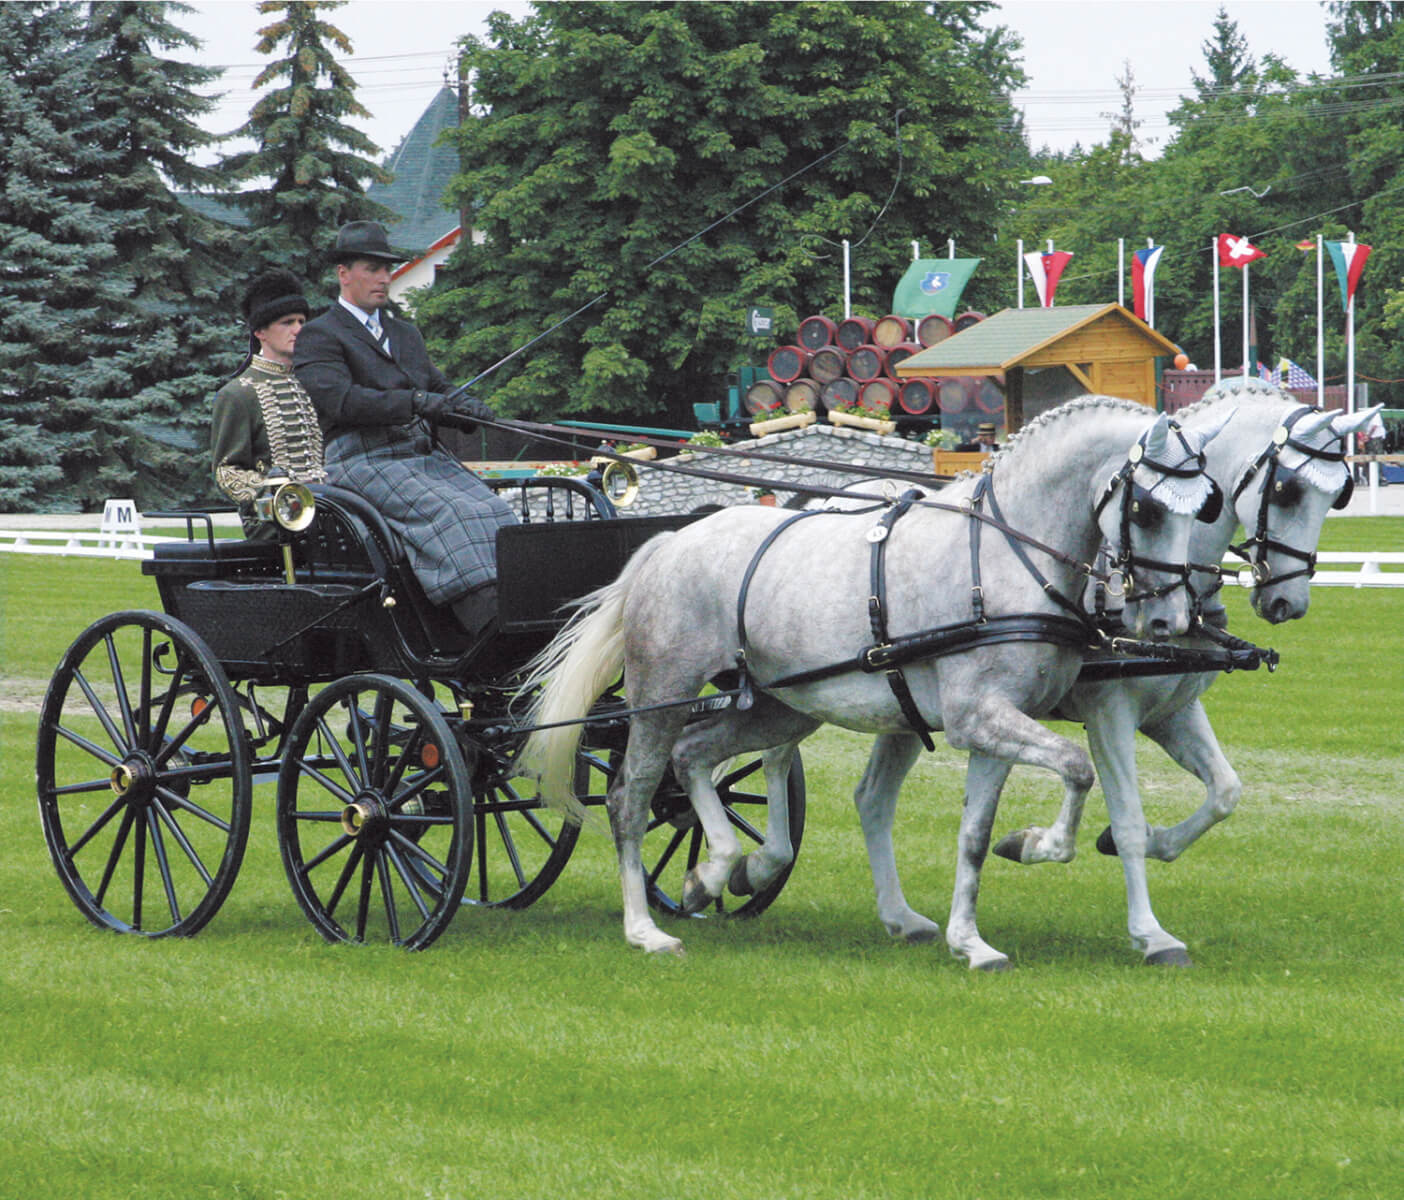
[(878, 658)]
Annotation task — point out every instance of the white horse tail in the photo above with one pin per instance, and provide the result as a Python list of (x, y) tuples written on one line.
[(572, 673)]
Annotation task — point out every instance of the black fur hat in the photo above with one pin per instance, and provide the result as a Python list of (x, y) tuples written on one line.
[(272, 295)]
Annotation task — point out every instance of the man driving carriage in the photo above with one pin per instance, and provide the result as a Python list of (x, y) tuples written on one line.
[(264, 422), (379, 398)]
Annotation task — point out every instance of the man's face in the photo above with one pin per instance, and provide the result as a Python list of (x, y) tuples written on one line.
[(365, 283), (276, 341)]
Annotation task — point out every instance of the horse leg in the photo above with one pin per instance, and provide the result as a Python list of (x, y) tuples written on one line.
[(1189, 739), (775, 731), (876, 800), (984, 778), (651, 736), (1111, 735)]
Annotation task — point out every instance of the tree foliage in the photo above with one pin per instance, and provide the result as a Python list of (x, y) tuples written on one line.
[(631, 161), (313, 164)]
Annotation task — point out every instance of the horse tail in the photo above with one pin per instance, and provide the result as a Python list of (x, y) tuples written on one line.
[(572, 673)]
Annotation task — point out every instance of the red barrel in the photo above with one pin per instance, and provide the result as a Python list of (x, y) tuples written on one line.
[(816, 331), (840, 392), (967, 319), (878, 394), (934, 328), (953, 395), (866, 363), (788, 363), (828, 363), (916, 396), (802, 396), (888, 331), (989, 396), (763, 396), (900, 353), (853, 332)]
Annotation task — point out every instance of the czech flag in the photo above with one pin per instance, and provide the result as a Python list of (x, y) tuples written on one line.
[(1143, 264), (1349, 258), (1237, 251), (1046, 270)]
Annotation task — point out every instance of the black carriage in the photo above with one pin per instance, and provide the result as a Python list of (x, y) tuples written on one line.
[(315, 665)]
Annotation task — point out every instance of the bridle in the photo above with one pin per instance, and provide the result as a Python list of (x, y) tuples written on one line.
[(1139, 507), (1282, 486)]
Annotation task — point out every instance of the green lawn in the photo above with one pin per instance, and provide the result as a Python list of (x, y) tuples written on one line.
[(800, 1055)]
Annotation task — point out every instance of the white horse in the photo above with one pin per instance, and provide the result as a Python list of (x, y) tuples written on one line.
[(1279, 462), (740, 587)]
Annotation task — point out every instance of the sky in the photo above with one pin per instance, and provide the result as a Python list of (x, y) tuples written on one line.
[(1073, 52)]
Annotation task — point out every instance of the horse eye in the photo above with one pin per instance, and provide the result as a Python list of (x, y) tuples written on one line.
[(1147, 513), (1286, 493)]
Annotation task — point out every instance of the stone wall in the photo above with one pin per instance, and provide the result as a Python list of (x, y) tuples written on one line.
[(670, 492)]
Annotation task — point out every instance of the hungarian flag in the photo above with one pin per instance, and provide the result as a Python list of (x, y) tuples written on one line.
[(1237, 251), (1349, 258), (1046, 270), (1143, 264)]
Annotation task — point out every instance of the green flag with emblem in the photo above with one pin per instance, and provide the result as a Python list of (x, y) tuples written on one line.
[(932, 285)]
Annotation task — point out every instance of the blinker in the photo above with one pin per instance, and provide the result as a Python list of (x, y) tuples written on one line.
[(1213, 504)]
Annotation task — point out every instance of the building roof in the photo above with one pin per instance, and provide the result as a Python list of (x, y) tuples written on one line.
[(1011, 337), (423, 169)]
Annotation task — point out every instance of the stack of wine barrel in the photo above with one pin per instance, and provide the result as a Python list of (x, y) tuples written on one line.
[(839, 364)]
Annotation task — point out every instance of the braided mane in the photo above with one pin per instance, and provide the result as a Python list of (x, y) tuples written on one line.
[(1055, 416)]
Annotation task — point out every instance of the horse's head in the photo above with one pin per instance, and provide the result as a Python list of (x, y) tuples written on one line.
[(1282, 499), (1146, 512)]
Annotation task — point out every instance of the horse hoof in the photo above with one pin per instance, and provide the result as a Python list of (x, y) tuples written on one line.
[(695, 896), (992, 965), (740, 882), (1106, 844), (1011, 846), (1174, 956)]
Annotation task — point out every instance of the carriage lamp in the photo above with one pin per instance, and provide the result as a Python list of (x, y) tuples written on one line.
[(617, 480), (288, 505)]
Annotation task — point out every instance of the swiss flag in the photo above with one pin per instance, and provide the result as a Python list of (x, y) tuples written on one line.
[(1237, 251)]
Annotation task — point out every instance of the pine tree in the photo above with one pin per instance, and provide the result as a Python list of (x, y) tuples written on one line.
[(315, 163), (56, 258), (158, 350)]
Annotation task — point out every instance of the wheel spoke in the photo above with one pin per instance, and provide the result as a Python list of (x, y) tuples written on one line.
[(138, 868), (99, 711), (363, 908), (740, 822), (172, 745), (83, 744), (176, 800), (107, 814), (353, 780), (184, 842), (387, 892), (144, 724), (408, 879), (119, 683), (344, 878), (331, 848), (380, 752), (158, 847), (308, 771), (667, 856), (415, 850), (357, 733), (168, 703)]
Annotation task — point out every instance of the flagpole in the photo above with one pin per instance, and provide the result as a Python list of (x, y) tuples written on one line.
[(1121, 272), (847, 281), (1350, 344), (1320, 327), (1019, 270), (1245, 320), (1218, 350), (1150, 290)]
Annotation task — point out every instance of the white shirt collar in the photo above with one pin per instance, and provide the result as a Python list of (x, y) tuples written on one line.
[(359, 313)]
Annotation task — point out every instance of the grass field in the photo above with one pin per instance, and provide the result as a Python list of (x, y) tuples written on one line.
[(799, 1055)]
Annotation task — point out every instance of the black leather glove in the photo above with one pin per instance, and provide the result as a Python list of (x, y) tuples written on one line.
[(471, 406), (430, 405)]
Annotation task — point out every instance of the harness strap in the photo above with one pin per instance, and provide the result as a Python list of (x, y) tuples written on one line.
[(1022, 555), (877, 614)]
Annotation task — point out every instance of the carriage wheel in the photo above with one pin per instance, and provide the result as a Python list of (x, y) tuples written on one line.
[(674, 842), (522, 845), (373, 821), (143, 776)]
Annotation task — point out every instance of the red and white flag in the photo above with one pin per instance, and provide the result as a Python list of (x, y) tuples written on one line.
[(1143, 264), (1046, 270), (1237, 251)]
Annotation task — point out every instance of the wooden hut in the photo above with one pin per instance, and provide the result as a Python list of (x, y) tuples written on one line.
[(1044, 356)]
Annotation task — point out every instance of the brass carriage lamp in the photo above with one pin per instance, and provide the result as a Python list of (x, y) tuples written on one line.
[(288, 505)]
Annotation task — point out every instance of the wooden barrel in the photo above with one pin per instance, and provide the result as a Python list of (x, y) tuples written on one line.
[(967, 319), (853, 332), (953, 395), (900, 353), (828, 363), (802, 396), (837, 393), (816, 331), (763, 396), (934, 328), (989, 396), (916, 396), (878, 394), (788, 363), (867, 363), (888, 331)]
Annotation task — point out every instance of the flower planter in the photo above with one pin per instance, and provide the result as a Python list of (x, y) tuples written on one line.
[(874, 424), (775, 424)]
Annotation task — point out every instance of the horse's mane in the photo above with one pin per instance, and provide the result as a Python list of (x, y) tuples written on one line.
[(1035, 428), (1249, 391)]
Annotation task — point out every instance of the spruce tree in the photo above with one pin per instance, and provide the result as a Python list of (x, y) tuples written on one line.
[(56, 260), (315, 165), (159, 348)]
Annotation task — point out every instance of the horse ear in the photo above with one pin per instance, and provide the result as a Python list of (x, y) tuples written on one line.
[(1207, 429), (1156, 437), (1310, 423), (1343, 424)]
